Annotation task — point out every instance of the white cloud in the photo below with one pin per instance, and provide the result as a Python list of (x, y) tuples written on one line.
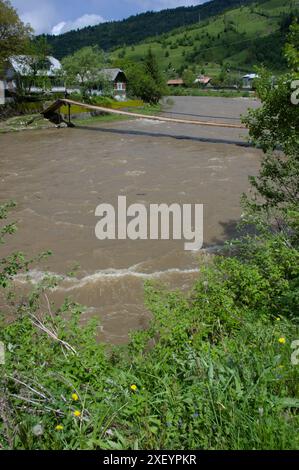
[(40, 15), (46, 16), (84, 20)]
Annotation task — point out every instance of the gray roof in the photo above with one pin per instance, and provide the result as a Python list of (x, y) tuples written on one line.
[(250, 76), (111, 74), (20, 64)]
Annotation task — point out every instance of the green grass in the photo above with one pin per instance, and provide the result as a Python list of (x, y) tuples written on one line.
[(103, 118), (144, 109), (75, 109), (149, 109), (128, 104)]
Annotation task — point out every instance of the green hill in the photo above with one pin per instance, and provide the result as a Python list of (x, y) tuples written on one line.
[(239, 39), (136, 28)]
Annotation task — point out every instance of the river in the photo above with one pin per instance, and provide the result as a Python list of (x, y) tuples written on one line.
[(58, 176)]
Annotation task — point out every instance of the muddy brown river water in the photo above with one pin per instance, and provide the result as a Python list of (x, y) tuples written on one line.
[(58, 176)]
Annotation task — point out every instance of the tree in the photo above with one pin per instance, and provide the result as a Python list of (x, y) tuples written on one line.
[(14, 35), (154, 78), (275, 128), (140, 83), (152, 67), (292, 47), (33, 66), (188, 77), (83, 68)]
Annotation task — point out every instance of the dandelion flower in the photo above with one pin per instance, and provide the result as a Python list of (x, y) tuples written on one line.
[(38, 430), (282, 340), (134, 388), (59, 427), (75, 397), (77, 413)]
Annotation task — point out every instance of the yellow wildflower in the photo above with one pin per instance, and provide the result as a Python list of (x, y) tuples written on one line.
[(277, 318), (282, 340), (75, 397), (59, 427), (134, 388), (77, 413)]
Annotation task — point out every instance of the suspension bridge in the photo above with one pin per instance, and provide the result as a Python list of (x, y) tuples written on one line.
[(52, 113)]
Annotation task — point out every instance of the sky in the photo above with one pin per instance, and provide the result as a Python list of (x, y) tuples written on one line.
[(59, 16)]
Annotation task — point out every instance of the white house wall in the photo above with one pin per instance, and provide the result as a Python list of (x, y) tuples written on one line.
[(2, 92)]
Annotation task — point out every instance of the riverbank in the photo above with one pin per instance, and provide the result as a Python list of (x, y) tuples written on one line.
[(37, 122)]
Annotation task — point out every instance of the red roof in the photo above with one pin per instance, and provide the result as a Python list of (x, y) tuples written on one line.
[(203, 79), (176, 81)]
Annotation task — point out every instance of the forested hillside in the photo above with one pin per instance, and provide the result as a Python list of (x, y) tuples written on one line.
[(236, 39), (136, 28)]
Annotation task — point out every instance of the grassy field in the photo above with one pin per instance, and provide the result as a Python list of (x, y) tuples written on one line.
[(205, 46)]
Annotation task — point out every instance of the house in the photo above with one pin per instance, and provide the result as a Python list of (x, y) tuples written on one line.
[(117, 78), (38, 76), (202, 80), (23, 67), (248, 80), (176, 82)]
